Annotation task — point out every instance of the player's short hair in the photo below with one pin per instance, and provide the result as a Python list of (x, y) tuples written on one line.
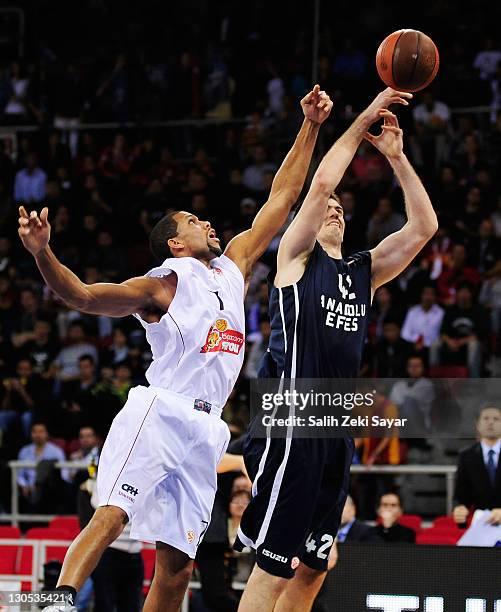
[(163, 231), (335, 196)]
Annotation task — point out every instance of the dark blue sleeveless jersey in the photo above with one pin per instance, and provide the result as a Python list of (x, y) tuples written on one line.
[(319, 324)]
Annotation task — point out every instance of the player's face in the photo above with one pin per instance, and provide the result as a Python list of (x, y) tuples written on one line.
[(333, 227), (196, 238)]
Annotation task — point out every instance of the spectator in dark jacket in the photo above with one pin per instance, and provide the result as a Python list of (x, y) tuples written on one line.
[(353, 530), (464, 328), (390, 510), (478, 480)]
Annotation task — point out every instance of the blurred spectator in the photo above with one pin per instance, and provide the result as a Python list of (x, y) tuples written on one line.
[(496, 217), (389, 510), (464, 329), (391, 351), (26, 396), (40, 449), (244, 560), (26, 317), (414, 396), (383, 222), (253, 176), (422, 322), (76, 398), (384, 307), (351, 529), (258, 348), (496, 93), (487, 247), (67, 361), (16, 106), (276, 90), (486, 61), (478, 478), (118, 578), (87, 443), (490, 296), (455, 273), (117, 351), (388, 450), (87, 440), (429, 144), (42, 348), (216, 591), (29, 187)]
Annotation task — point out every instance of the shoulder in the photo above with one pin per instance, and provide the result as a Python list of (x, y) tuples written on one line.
[(25, 450), (470, 451), (226, 264), (55, 450)]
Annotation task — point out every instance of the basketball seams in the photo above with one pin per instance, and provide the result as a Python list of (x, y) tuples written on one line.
[(395, 47), (407, 60), (414, 65)]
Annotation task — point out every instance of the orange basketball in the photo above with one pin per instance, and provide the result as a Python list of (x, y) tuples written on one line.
[(407, 60)]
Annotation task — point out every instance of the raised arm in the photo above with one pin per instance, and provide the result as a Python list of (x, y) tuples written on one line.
[(113, 300), (247, 247), (396, 252), (299, 239)]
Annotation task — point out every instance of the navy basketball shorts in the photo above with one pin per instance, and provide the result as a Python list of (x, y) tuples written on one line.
[(298, 493)]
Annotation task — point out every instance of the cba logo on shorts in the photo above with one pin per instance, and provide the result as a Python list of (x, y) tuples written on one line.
[(190, 535), (222, 339), (129, 489)]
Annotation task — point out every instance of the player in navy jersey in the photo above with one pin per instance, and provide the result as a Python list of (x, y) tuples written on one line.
[(319, 307)]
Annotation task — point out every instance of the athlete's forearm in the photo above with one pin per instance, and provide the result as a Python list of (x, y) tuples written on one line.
[(420, 214), (289, 179), (60, 279), (338, 158)]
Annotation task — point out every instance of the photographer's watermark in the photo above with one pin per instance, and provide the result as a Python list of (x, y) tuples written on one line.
[(404, 408)]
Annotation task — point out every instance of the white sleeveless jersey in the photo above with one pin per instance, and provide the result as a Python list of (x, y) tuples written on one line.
[(198, 344)]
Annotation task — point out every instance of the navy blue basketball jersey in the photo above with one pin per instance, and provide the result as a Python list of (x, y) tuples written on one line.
[(319, 324)]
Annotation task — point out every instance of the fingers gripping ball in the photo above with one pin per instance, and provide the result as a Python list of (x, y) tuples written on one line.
[(407, 60)]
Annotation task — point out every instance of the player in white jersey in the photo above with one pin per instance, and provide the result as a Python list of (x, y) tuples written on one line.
[(158, 464)]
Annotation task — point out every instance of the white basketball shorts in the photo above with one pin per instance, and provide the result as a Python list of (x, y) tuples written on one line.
[(159, 465)]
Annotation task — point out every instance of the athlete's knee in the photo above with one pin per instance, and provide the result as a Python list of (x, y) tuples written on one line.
[(173, 567), (108, 522), (309, 575), (275, 584)]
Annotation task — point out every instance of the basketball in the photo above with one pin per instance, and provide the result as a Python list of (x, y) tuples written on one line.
[(407, 60)]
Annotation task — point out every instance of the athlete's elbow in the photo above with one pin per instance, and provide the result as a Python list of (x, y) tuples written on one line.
[(322, 182)]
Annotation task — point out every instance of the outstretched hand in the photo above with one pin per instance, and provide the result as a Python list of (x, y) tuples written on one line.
[(384, 99), (316, 105), (390, 142), (34, 230)]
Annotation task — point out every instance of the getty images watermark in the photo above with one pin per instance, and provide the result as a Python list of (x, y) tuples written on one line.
[(405, 408)]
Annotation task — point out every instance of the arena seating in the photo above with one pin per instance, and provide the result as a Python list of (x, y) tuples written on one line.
[(413, 521), (70, 523)]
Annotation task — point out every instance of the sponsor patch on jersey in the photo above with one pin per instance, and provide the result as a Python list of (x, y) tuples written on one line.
[(222, 339), (202, 405)]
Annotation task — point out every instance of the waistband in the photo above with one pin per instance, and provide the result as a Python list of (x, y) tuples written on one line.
[(186, 402)]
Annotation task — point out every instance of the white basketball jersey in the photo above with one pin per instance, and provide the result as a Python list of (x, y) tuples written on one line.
[(198, 344)]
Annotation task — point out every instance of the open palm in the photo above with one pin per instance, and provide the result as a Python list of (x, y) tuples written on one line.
[(390, 142)]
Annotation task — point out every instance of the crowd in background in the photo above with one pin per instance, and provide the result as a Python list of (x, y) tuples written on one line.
[(106, 188)]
